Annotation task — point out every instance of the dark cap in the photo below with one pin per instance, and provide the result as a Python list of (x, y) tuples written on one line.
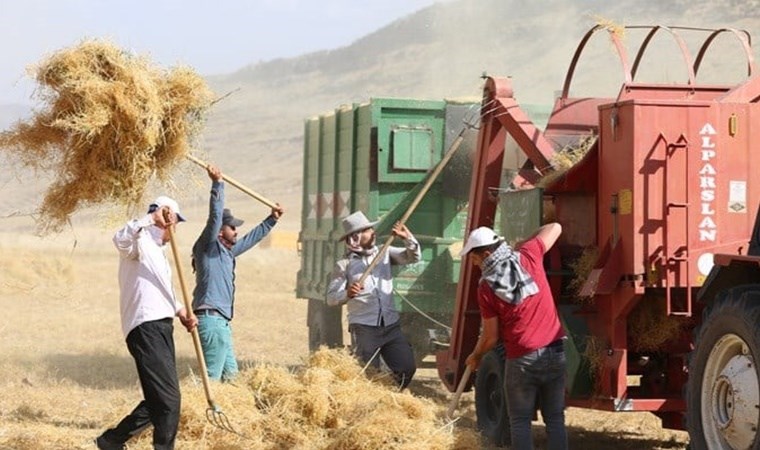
[(229, 219)]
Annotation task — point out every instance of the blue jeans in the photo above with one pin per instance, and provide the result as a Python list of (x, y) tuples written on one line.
[(216, 340), (537, 378)]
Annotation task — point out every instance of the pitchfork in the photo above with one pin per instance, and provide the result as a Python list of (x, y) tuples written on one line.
[(235, 183), (214, 414)]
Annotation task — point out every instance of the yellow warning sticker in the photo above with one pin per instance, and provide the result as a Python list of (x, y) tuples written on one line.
[(625, 201)]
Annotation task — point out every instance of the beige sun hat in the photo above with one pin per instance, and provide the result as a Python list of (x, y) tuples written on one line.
[(356, 222)]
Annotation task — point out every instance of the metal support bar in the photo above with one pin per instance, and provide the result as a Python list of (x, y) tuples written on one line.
[(676, 260)]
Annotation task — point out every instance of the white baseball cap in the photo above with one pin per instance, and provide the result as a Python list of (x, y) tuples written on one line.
[(171, 203), (480, 237)]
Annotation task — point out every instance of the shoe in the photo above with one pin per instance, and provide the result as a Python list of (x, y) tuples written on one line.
[(103, 444)]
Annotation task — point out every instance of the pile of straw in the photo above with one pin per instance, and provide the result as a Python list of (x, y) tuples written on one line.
[(326, 404), (110, 121)]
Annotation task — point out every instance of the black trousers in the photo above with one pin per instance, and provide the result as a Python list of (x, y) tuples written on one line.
[(151, 344), (394, 348)]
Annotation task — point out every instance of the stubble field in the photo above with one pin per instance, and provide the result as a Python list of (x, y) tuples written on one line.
[(66, 373)]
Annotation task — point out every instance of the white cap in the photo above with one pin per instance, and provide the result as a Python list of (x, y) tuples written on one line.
[(171, 203), (480, 237)]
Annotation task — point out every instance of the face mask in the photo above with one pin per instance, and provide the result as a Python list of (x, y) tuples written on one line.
[(157, 234)]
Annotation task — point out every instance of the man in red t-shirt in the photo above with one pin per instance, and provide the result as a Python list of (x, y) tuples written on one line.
[(516, 306)]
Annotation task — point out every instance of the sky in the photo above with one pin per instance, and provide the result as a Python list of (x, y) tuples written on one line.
[(212, 36)]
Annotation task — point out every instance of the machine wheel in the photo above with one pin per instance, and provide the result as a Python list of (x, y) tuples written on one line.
[(723, 394), (490, 399), (325, 327), (415, 329), (417, 336)]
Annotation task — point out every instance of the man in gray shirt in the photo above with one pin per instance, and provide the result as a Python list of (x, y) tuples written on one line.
[(372, 316), (214, 262)]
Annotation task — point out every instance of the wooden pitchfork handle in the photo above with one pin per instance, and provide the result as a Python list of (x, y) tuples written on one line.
[(235, 183), (429, 182), (455, 401), (189, 310)]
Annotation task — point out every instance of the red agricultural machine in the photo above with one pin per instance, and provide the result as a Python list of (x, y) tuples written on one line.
[(656, 273)]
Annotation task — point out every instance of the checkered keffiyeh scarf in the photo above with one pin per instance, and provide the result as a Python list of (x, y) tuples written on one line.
[(507, 277), (353, 246)]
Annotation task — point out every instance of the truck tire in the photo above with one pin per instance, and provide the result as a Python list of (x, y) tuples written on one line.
[(490, 399), (325, 326), (723, 394), (415, 329)]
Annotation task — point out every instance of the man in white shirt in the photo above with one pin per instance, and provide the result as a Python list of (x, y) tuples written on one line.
[(148, 307), (373, 320)]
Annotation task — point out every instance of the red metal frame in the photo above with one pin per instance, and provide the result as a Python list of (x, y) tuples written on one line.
[(466, 319), (617, 281)]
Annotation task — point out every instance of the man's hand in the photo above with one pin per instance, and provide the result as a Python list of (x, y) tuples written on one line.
[(354, 289), (277, 211), (401, 231), (489, 337), (473, 361), (214, 172), (164, 217), (189, 321)]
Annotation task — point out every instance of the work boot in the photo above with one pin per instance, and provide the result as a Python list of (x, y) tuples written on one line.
[(104, 444)]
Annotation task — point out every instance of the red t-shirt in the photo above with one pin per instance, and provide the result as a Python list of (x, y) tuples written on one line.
[(532, 324)]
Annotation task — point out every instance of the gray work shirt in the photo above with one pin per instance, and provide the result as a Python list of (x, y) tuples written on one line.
[(374, 304)]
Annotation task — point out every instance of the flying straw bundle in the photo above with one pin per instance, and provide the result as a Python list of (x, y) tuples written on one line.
[(609, 25), (581, 269), (111, 120), (567, 157), (594, 355), (650, 327)]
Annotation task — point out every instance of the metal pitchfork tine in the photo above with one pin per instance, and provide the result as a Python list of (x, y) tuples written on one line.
[(214, 414), (471, 119), (489, 108)]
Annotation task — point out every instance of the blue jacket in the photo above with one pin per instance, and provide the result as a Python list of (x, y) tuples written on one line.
[(215, 263)]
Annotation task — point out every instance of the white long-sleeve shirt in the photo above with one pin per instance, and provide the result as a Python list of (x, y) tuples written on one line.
[(145, 275), (374, 304)]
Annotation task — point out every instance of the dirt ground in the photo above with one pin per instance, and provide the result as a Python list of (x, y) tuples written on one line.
[(66, 370)]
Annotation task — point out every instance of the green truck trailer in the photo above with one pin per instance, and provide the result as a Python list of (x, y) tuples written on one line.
[(375, 157)]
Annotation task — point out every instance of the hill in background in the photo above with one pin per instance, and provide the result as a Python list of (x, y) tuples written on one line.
[(255, 133)]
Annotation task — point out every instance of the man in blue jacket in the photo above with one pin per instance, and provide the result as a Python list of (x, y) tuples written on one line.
[(214, 262)]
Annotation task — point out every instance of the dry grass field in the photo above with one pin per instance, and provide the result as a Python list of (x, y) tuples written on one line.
[(66, 373)]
